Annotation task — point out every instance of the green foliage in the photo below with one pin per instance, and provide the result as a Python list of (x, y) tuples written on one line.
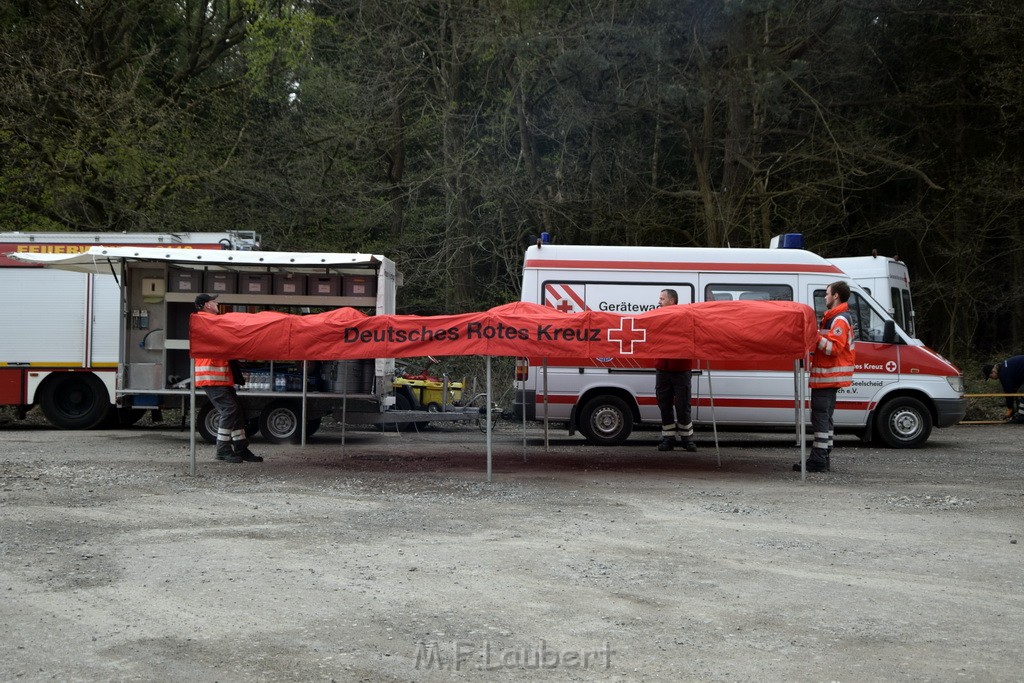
[(446, 134)]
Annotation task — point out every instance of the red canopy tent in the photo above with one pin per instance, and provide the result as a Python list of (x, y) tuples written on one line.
[(712, 331), (709, 331)]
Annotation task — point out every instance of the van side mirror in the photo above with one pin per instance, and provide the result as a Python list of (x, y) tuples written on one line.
[(889, 332)]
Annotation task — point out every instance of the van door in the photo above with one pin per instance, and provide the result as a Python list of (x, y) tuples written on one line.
[(877, 364), (746, 392)]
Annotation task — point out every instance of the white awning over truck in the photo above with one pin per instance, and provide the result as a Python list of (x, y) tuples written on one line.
[(102, 259)]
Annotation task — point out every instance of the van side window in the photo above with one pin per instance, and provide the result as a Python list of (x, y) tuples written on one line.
[(908, 313), (609, 297), (868, 324), (747, 292), (897, 307)]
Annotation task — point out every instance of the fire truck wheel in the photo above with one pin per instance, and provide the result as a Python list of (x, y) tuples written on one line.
[(206, 423), (280, 422), (403, 401), (904, 422), (606, 421), (75, 400)]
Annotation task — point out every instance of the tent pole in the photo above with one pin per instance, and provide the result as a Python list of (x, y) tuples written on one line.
[(546, 441), (714, 423), (488, 416), (522, 392), (192, 419), (344, 404), (305, 384), (798, 368), (796, 406)]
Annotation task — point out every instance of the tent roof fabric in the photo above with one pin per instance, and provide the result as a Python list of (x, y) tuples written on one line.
[(713, 331)]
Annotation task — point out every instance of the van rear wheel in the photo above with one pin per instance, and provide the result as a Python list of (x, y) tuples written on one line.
[(904, 422), (606, 421)]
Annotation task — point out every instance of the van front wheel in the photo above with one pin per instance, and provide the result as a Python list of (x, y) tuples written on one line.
[(904, 422), (606, 421)]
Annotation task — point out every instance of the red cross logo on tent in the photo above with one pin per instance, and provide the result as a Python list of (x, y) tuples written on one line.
[(629, 336)]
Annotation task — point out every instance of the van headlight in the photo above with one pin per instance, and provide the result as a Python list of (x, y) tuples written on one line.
[(956, 383)]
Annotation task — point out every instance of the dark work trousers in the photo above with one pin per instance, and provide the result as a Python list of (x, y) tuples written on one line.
[(672, 389), (231, 425), (823, 405)]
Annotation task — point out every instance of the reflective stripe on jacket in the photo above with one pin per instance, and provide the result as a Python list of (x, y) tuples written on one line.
[(213, 372), (834, 357)]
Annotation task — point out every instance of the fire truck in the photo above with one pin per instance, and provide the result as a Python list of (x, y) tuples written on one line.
[(284, 399), (60, 348)]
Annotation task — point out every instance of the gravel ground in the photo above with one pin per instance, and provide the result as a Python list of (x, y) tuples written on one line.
[(393, 559)]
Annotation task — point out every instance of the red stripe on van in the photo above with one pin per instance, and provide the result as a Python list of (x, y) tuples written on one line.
[(704, 401), (684, 266)]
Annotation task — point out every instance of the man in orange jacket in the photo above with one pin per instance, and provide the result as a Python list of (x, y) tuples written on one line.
[(216, 377), (831, 369)]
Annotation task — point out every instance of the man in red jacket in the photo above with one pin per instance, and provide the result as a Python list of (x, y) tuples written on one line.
[(216, 377), (672, 387), (831, 369)]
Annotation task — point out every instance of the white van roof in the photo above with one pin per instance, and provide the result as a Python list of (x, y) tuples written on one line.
[(704, 259), (873, 266)]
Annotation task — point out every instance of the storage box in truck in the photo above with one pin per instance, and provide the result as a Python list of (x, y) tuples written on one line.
[(61, 341), (901, 388)]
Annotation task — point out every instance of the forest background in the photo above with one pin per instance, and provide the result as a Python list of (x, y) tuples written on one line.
[(447, 134)]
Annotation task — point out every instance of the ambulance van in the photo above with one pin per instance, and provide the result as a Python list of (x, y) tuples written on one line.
[(901, 388)]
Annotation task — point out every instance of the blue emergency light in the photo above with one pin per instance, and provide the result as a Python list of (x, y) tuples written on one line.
[(789, 240)]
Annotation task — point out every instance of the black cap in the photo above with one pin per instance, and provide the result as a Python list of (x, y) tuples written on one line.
[(203, 298), (986, 370)]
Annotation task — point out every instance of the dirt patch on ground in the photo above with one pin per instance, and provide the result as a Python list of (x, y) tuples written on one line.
[(392, 558)]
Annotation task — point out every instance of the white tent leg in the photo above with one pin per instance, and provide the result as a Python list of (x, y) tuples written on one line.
[(192, 419), (522, 392), (305, 385), (798, 370), (546, 441), (344, 408), (796, 406), (714, 423), (488, 416)]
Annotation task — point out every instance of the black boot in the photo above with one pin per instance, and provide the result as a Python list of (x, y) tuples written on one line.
[(689, 445), (248, 456), (667, 442), (228, 456), (813, 466)]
